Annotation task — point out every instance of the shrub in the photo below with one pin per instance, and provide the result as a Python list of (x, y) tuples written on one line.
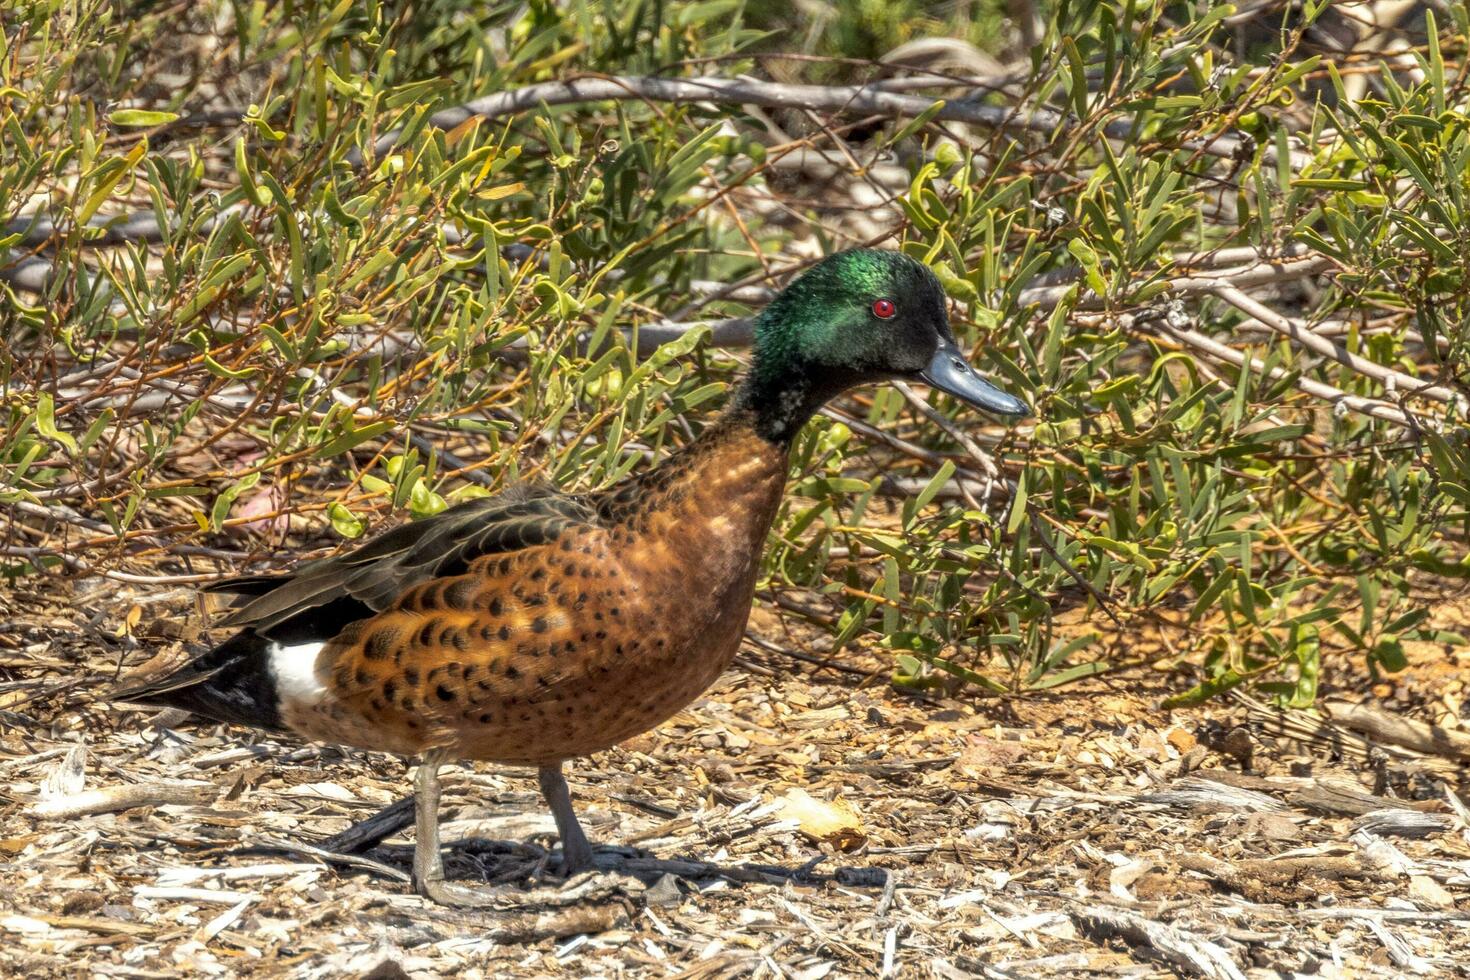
[(257, 293)]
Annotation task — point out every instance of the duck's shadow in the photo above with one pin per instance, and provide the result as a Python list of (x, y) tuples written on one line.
[(497, 862), (508, 861)]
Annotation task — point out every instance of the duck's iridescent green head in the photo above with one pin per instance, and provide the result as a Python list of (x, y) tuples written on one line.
[(853, 318)]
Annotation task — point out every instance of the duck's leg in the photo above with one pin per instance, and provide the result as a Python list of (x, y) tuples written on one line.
[(428, 863), (576, 853)]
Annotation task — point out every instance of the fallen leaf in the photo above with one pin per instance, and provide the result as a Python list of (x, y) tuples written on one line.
[(835, 823)]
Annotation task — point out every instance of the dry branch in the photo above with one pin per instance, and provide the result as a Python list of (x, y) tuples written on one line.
[(1303, 337), (1386, 726), (115, 798), (1396, 822), (1190, 954), (1336, 396), (1194, 791), (860, 100)]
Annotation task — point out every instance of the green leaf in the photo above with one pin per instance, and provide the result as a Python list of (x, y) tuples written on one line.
[(1060, 655), (1077, 673), (108, 176), (344, 522), (353, 437), (424, 502), (1205, 690), (259, 196), (1017, 514), (968, 675), (1389, 653), (220, 371), (141, 117), (918, 122), (1307, 650), (220, 512), (1126, 550), (94, 431), (935, 484), (1077, 79), (46, 422), (380, 260), (1331, 183)]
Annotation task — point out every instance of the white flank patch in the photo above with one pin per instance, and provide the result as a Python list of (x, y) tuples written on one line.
[(294, 668)]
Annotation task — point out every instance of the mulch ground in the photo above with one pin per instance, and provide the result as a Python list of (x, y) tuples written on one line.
[(796, 822)]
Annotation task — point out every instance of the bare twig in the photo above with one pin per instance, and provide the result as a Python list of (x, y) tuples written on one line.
[(1287, 326)]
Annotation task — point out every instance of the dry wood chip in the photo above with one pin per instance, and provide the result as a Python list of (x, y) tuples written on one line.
[(507, 826), (1404, 823), (1398, 951), (228, 756), (25, 925), (107, 927), (331, 857), (116, 798), (1381, 855), (323, 791), (222, 921), (1339, 798), (821, 718), (1192, 955), (1207, 794), (68, 777), (211, 896), (991, 903), (1272, 827), (1182, 740), (169, 877), (1268, 880)]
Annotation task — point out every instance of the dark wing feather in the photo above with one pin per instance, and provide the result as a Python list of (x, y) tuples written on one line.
[(359, 583), (245, 585)]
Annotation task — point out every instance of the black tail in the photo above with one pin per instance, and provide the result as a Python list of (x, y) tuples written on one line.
[(231, 683)]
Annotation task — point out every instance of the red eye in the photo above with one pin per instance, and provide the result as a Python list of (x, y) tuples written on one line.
[(884, 309)]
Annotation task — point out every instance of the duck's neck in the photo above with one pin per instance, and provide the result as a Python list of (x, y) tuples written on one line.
[(727, 483), (779, 400)]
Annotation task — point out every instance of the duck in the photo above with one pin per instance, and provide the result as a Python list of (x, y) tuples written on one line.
[(536, 627)]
